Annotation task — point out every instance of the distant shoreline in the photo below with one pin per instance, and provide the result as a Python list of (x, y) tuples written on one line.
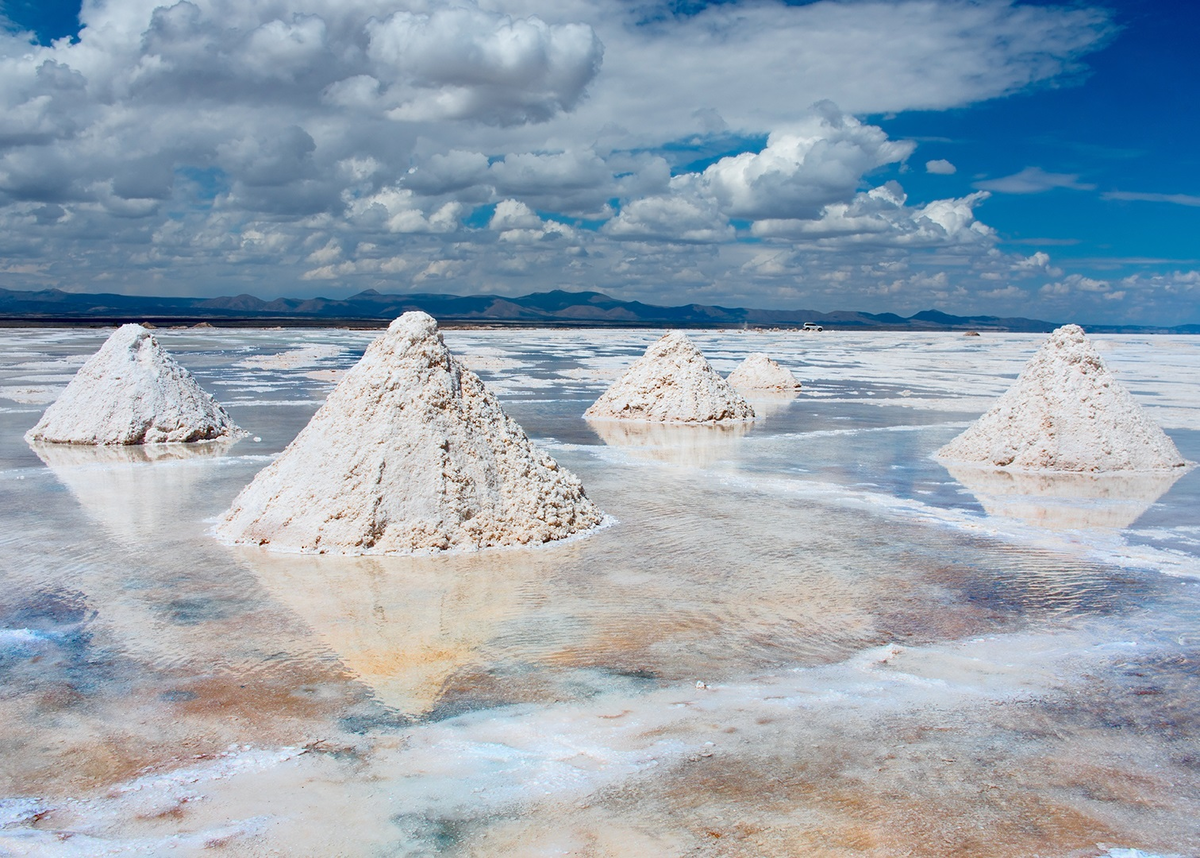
[(189, 322), (371, 310), (183, 323)]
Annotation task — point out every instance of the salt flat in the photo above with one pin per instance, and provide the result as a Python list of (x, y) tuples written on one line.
[(805, 637)]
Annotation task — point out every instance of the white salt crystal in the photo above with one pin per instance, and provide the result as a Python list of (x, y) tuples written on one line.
[(409, 452), (1066, 412), (671, 383), (132, 392), (759, 374)]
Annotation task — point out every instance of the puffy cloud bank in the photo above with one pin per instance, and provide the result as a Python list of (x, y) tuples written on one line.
[(289, 146)]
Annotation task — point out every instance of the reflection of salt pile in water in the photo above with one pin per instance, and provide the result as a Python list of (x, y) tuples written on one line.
[(1066, 412), (677, 443), (403, 625), (409, 452), (136, 492), (758, 375), (132, 392), (671, 383), (1065, 501)]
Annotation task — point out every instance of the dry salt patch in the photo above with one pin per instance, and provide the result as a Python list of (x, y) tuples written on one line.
[(1066, 412), (292, 359), (327, 375), (487, 359), (758, 374), (132, 392), (31, 394), (671, 383), (71, 364), (410, 452)]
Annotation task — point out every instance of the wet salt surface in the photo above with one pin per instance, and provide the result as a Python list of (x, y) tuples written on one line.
[(886, 666)]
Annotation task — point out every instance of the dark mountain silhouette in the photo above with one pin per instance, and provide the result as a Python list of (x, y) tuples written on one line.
[(558, 307)]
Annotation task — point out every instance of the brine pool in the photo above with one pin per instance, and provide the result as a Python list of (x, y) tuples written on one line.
[(800, 637)]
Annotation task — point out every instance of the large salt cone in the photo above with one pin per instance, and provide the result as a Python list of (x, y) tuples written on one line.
[(410, 452), (132, 392), (671, 383), (1065, 501), (758, 375), (1066, 412)]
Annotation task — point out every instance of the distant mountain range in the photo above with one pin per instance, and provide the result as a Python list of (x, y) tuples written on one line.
[(557, 308)]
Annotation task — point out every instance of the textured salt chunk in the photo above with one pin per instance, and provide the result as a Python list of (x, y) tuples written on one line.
[(132, 392), (410, 452), (1066, 412), (671, 383), (759, 374)]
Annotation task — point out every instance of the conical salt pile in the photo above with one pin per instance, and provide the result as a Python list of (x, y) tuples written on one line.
[(409, 452), (132, 392), (1066, 412), (671, 383), (759, 374)]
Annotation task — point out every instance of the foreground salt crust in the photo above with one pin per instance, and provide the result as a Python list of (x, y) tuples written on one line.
[(410, 452), (1066, 412), (132, 392), (671, 383), (758, 374)]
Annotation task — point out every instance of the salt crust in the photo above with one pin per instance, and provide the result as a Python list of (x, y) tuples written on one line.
[(410, 452), (759, 374), (301, 357), (671, 383), (1066, 412), (132, 392)]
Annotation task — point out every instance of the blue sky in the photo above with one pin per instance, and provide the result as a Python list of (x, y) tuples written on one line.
[(991, 157)]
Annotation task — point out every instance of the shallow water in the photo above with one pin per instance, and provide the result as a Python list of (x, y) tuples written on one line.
[(802, 637)]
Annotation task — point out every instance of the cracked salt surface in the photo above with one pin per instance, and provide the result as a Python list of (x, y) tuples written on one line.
[(884, 666)]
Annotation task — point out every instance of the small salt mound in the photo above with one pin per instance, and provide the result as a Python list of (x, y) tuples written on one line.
[(132, 392), (671, 383), (759, 374), (409, 452), (1066, 412)]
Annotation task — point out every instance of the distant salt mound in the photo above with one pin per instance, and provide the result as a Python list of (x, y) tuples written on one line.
[(410, 452), (1066, 412), (758, 374), (671, 383), (132, 392)]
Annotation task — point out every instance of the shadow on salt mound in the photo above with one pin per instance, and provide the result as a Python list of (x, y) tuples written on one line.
[(127, 489), (405, 625), (1065, 501), (694, 445)]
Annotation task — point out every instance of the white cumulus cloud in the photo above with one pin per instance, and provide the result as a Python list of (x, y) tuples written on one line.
[(464, 62)]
